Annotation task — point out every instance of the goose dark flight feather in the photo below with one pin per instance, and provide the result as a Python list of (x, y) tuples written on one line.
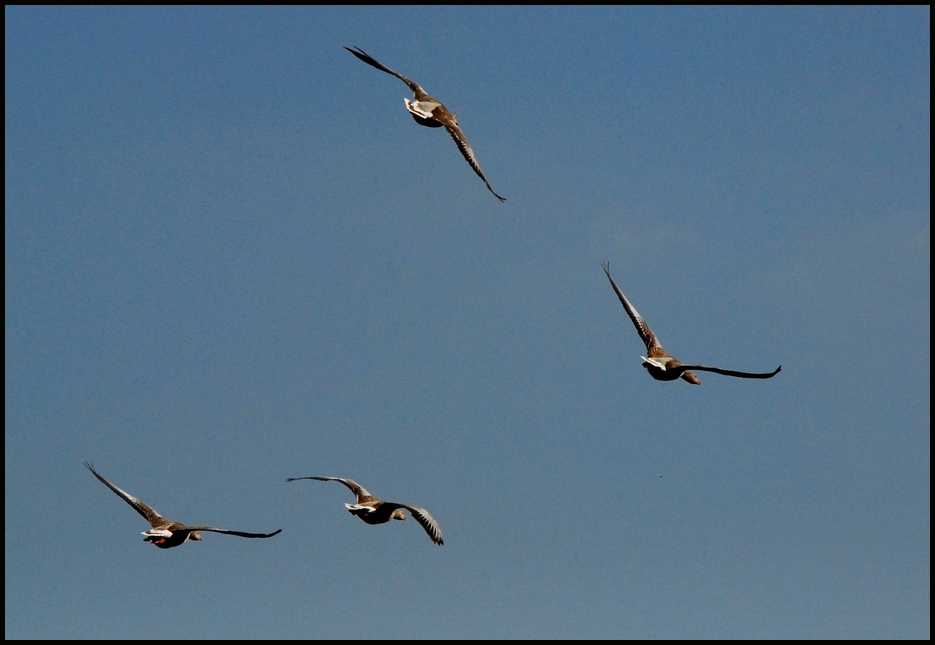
[(165, 533), (375, 511), (660, 364), (430, 113)]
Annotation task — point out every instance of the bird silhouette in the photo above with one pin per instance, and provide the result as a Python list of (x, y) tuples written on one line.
[(661, 365), (165, 533), (376, 511), (430, 113)]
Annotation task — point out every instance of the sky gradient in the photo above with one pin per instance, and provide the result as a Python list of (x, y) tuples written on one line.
[(232, 257)]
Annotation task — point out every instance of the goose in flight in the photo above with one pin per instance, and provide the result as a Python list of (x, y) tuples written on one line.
[(166, 534), (659, 363), (430, 113), (376, 511)]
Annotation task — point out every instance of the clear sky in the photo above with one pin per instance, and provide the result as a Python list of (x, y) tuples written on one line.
[(231, 257)]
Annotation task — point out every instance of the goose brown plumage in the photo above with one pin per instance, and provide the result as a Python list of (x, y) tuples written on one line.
[(376, 511), (661, 365), (431, 113), (165, 533)]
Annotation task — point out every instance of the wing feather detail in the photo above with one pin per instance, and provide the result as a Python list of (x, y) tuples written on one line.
[(468, 154), (646, 334), (417, 91), (428, 522), (359, 491), (152, 516)]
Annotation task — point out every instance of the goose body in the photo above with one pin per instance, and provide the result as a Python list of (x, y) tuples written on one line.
[(430, 113), (166, 534), (376, 511), (661, 365)]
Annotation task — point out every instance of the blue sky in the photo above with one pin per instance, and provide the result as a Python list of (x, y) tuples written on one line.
[(232, 257)]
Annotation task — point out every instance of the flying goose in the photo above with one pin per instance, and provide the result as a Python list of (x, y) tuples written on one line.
[(376, 511), (659, 363), (430, 113), (166, 534)]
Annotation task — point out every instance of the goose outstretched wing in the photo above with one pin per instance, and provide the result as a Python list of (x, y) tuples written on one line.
[(357, 489), (649, 338), (468, 153), (718, 370), (425, 519), (229, 532), (417, 91), (155, 519)]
